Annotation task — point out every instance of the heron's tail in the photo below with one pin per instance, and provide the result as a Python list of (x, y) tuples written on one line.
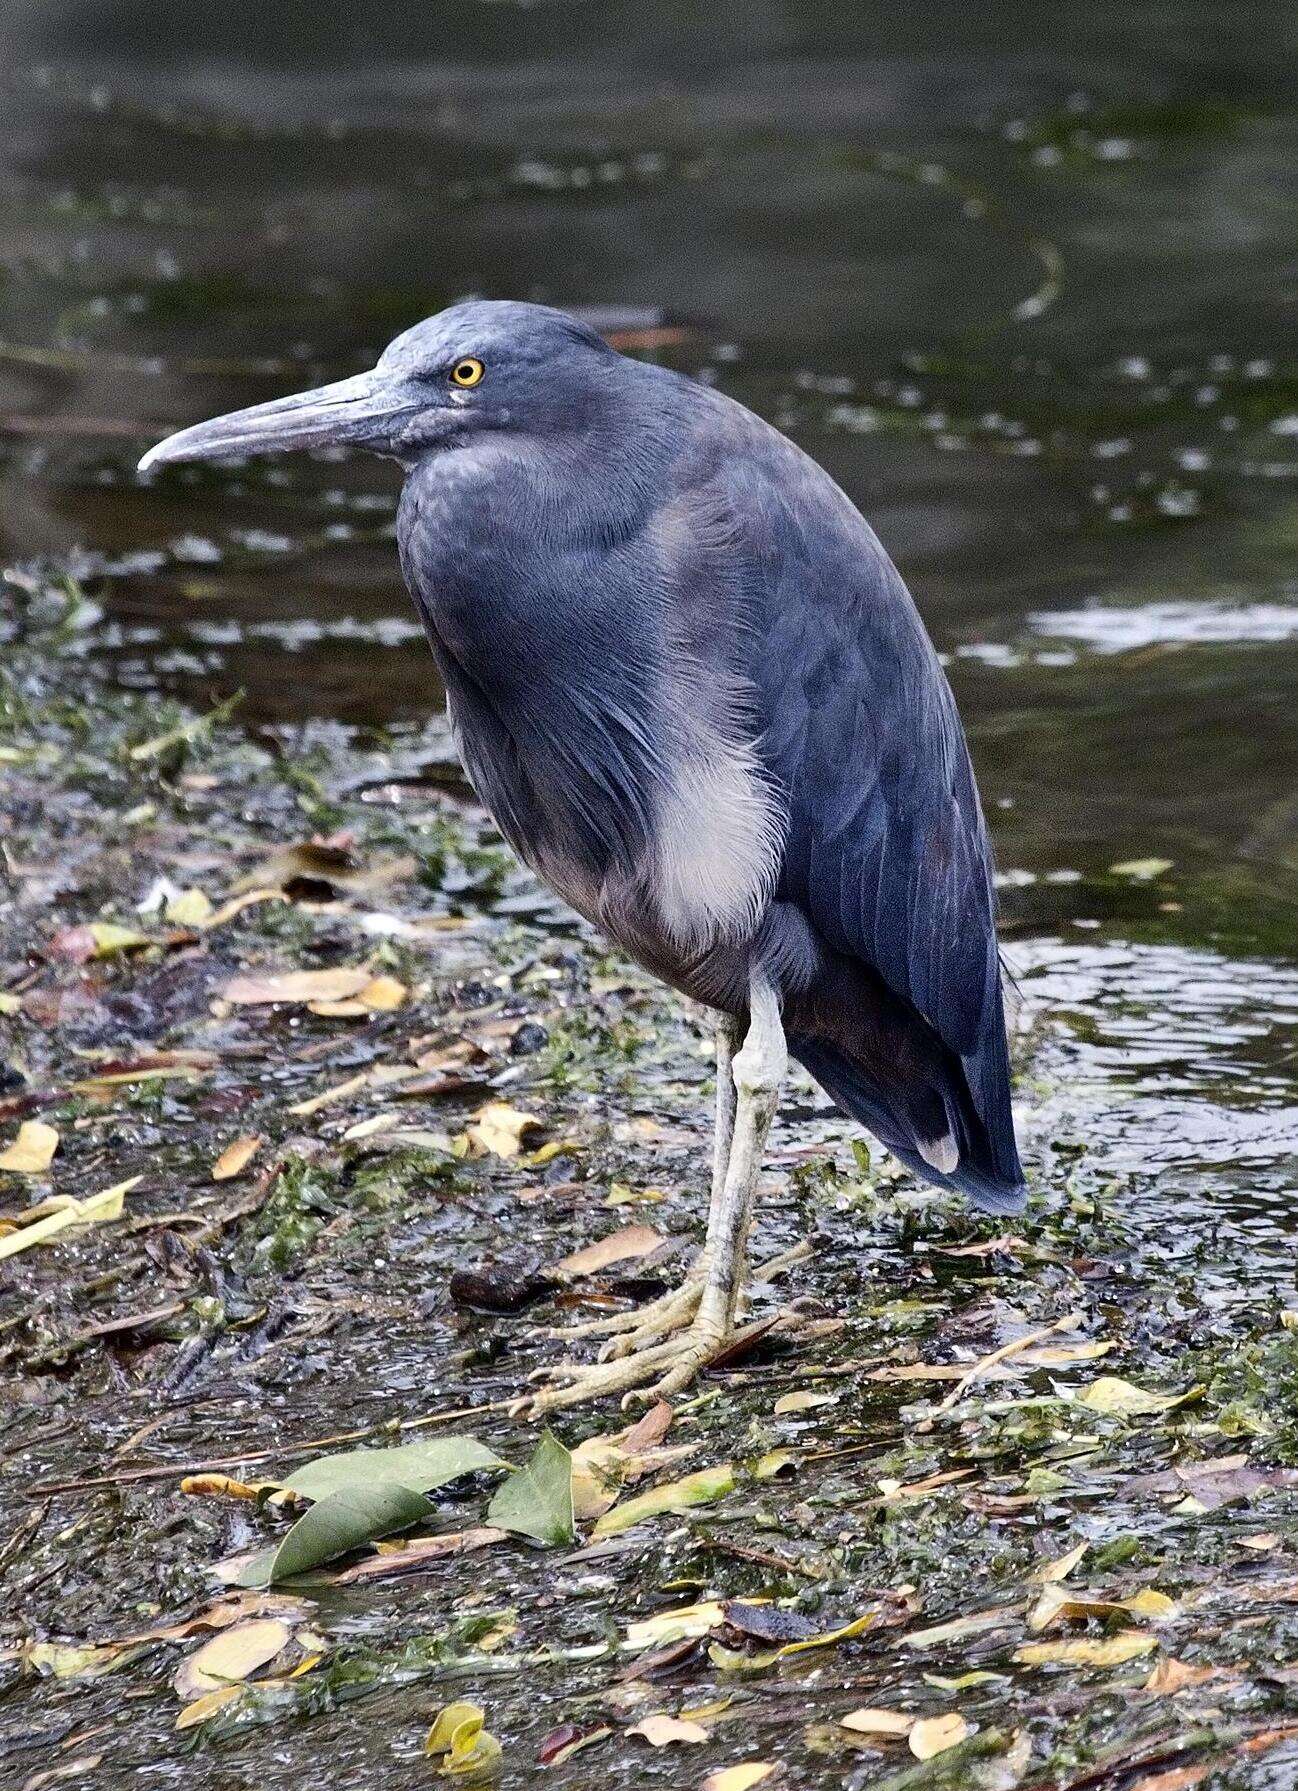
[(927, 1127)]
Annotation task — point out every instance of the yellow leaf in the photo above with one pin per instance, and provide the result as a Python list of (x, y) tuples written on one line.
[(935, 1734), (384, 994), (878, 1722), (1060, 1568), (830, 1638), (32, 1151), (700, 1488), (1121, 1399), (70, 1660), (1059, 1354), (235, 1158), (739, 1778), (190, 908), (661, 1730), (93, 1210), (448, 1720), (1056, 1602), (461, 1741), (800, 1402), (231, 1655), (207, 1705), (1088, 1651), (297, 986), (499, 1128), (674, 1626), (110, 938), (220, 1486)]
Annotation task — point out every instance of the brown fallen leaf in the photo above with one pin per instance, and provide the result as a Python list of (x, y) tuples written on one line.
[(295, 986), (219, 1486), (1172, 1675), (32, 1151), (661, 1730), (232, 1654), (235, 1158), (935, 1734), (1057, 1603), (1176, 1778), (625, 1245), (409, 1557)]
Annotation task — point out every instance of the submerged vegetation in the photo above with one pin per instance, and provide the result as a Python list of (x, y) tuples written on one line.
[(316, 1111)]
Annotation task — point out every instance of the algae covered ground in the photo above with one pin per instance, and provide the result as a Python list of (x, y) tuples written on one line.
[(318, 1117)]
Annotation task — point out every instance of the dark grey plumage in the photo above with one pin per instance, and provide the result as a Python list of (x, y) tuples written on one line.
[(695, 694)]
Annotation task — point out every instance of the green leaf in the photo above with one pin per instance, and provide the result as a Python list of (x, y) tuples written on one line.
[(339, 1523), (537, 1500), (420, 1466)]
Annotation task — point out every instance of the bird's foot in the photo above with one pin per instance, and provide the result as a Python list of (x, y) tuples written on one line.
[(645, 1372), (626, 1332)]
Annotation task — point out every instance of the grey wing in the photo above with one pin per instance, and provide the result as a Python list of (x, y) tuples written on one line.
[(887, 853)]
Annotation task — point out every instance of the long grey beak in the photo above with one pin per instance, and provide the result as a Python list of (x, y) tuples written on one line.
[(363, 409)]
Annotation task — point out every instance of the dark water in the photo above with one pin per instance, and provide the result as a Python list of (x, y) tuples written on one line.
[(1025, 278)]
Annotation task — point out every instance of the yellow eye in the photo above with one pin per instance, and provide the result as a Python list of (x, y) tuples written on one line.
[(467, 372)]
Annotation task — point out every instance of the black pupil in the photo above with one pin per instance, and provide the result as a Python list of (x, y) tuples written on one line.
[(467, 370)]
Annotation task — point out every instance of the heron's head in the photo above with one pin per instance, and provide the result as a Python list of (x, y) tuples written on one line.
[(486, 365)]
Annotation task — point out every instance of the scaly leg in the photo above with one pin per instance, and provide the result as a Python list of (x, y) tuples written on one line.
[(628, 1332), (757, 1071)]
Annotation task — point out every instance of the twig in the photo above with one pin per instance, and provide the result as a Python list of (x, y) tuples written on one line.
[(1069, 1322)]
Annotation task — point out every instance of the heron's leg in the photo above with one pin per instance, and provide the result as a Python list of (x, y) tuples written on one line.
[(630, 1331), (757, 1072)]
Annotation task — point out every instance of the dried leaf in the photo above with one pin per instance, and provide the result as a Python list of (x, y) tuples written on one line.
[(220, 1486), (685, 1622), (935, 1734), (1059, 1569), (32, 1151), (296, 986), (1121, 1399), (625, 1245), (1172, 1675), (384, 994), (191, 908), (740, 1778), (499, 1128), (878, 1722), (207, 1705), (661, 1730), (801, 1402), (235, 1158), (232, 1654), (1058, 1602), (95, 1209), (1088, 1651)]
